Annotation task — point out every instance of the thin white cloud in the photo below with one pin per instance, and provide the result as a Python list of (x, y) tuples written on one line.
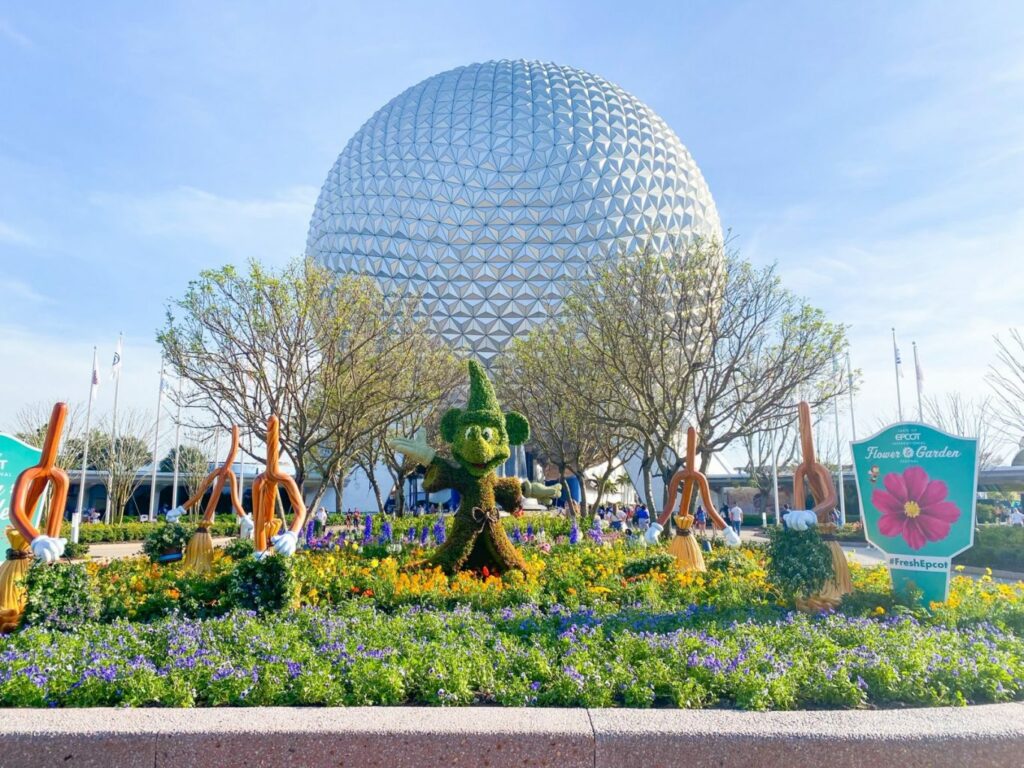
[(7, 30), (13, 236), (272, 228), (19, 292)]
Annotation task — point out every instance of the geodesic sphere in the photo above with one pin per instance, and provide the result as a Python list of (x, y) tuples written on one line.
[(491, 189)]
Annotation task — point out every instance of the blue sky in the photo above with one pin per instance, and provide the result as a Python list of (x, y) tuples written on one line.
[(874, 150)]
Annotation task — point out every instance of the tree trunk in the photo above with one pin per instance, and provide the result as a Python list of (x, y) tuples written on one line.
[(376, 490), (400, 506), (648, 481), (602, 483)]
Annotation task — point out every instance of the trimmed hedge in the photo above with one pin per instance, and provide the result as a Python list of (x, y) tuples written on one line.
[(95, 533), (996, 546)]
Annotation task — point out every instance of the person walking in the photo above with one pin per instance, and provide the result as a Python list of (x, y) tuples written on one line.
[(736, 518)]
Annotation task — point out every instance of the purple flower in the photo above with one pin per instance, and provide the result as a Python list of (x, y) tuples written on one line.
[(517, 536), (439, 534), (574, 534), (423, 536), (385, 533)]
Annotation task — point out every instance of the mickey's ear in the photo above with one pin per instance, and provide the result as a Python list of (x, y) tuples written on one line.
[(518, 428), (450, 424)]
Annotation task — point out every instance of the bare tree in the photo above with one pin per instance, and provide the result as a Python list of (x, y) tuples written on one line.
[(31, 421), (959, 414), (319, 351), (768, 350), (424, 387), (123, 460), (1006, 377), (546, 377)]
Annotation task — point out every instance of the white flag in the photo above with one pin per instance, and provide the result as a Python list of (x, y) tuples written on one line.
[(115, 367), (899, 359), (94, 387), (919, 370)]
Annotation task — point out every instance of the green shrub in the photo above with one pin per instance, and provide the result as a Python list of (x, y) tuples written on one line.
[(164, 539), (239, 549), (265, 586), (799, 562), (996, 546), (60, 597), (660, 561), (75, 551), (95, 533)]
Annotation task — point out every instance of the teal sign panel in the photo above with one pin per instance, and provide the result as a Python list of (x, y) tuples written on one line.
[(15, 458), (918, 490)]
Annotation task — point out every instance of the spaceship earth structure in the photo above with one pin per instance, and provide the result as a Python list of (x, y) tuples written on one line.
[(491, 189)]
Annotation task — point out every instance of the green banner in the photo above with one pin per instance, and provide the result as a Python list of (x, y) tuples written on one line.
[(15, 458), (918, 488)]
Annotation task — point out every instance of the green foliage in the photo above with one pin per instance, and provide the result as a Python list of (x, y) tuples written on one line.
[(239, 549), (60, 597), (76, 551), (191, 457), (799, 562), (996, 546), (659, 561), (265, 586), (166, 538), (97, 533)]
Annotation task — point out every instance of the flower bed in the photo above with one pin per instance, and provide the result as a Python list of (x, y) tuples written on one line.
[(587, 625)]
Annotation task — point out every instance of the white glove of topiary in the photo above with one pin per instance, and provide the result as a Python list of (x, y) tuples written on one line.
[(47, 549), (732, 539), (653, 532), (175, 514), (416, 448), (246, 526), (285, 543), (800, 519)]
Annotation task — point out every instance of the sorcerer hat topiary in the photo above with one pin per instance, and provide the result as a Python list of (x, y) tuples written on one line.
[(482, 399), (483, 404)]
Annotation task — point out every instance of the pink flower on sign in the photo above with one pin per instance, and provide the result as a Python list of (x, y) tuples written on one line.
[(914, 507)]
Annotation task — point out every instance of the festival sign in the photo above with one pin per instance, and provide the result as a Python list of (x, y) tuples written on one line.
[(917, 488), (15, 457)]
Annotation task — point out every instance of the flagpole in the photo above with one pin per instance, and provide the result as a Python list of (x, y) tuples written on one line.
[(775, 476), (849, 383), (839, 450), (896, 365), (177, 449), (76, 519), (917, 378), (156, 443), (116, 370)]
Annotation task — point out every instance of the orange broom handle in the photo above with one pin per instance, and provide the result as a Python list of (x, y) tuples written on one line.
[(32, 482), (268, 482), (218, 478), (689, 476), (810, 471)]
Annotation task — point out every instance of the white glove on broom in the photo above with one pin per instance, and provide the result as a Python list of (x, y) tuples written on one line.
[(800, 519), (732, 539), (246, 526), (175, 514), (285, 543), (653, 532), (48, 549)]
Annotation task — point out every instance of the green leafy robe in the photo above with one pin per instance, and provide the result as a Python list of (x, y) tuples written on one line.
[(477, 538)]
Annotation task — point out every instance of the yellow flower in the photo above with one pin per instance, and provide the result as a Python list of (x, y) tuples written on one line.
[(374, 563), (879, 611), (988, 571), (959, 569)]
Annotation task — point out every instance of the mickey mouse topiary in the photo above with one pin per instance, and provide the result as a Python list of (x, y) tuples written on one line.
[(479, 437)]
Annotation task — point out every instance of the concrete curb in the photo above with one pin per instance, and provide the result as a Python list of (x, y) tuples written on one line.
[(982, 737)]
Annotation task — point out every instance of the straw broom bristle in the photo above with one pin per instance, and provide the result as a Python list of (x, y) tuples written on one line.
[(12, 589), (684, 547), (831, 594), (199, 552)]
